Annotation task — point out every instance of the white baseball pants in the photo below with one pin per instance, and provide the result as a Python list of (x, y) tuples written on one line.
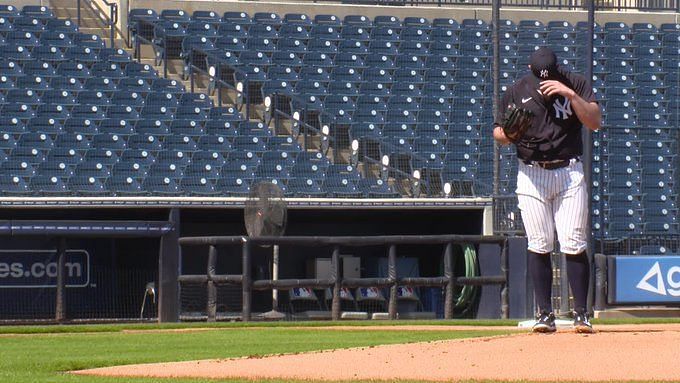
[(553, 199)]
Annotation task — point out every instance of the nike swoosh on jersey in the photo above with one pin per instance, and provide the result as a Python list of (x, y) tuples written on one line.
[(525, 100)]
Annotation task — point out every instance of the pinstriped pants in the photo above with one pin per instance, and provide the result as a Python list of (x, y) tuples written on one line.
[(553, 200)]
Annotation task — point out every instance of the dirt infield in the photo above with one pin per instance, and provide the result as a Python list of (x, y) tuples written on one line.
[(615, 353)]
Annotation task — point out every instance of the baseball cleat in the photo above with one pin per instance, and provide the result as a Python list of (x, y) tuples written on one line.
[(582, 323), (545, 323)]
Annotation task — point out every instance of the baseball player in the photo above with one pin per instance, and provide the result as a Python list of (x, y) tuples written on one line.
[(542, 114)]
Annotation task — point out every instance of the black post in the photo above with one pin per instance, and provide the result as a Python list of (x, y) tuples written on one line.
[(505, 294), (218, 81), (392, 276), (165, 57), (564, 282), (112, 20), (168, 272), (247, 282), (246, 96), (588, 156), (191, 69), (79, 14), (450, 281), (337, 279), (60, 310), (496, 41), (138, 48), (211, 308), (600, 282)]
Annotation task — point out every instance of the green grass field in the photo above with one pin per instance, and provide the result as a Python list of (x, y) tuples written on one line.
[(31, 354), (42, 354)]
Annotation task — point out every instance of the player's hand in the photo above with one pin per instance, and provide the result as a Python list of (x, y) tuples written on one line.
[(554, 87)]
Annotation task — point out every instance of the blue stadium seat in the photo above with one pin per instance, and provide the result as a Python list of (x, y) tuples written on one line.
[(307, 169), (325, 19), (325, 32), (376, 188), (160, 185), (233, 186), (206, 16), (240, 18), (46, 125), (17, 168), (240, 168), (88, 40), (357, 20), (9, 11), (305, 188), (29, 24), (342, 187), (445, 35), (37, 11), (14, 185), (199, 186), (146, 142), (176, 15), (49, 185), (69, 156), (94, 169), (125, 185)]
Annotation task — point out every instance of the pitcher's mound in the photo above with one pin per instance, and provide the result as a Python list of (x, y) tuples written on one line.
[(629, 353)]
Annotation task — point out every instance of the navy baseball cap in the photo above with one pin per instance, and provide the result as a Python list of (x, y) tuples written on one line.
[(544, 64)]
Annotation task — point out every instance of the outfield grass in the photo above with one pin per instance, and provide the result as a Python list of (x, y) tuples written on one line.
[(36, 354), (27, 357), (48, 329)]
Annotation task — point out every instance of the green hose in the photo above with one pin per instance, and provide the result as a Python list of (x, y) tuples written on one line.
[(468, 293)]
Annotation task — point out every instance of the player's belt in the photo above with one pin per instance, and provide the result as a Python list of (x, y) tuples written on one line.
[(550, 165)]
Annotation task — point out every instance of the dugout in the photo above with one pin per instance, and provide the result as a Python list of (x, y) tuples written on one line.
[(108, 278)]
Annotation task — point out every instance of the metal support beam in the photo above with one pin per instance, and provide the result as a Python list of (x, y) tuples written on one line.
[(247, 283), (495, 24), (588, 156), (600, 282), (448, 274), (60, 310), (211, 308), (392, 275), (168, 272), (505, 276), (336, 277), (564, 283)]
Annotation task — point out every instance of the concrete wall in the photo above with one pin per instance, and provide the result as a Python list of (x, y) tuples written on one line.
[(20, 3), (458, 13)]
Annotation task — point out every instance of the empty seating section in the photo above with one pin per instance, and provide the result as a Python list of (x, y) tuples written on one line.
[(356, 75), (80, 118), (636, 153)]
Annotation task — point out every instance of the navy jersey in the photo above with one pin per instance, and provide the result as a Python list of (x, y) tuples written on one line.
[(555, 133)]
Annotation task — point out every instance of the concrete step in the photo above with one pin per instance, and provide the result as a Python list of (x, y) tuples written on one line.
[(638, 312), (63, 4)]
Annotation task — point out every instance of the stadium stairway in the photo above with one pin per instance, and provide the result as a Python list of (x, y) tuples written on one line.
[(90, 21), (341, 155)]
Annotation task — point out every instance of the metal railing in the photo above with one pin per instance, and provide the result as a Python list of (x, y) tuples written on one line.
[(109, 22), (448, 281), (220, 83)]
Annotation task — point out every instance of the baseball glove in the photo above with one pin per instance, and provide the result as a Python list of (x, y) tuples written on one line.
[(516, 122)]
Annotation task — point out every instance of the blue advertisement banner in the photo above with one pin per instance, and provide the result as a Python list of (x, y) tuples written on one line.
[(38, 268), (646, 279)]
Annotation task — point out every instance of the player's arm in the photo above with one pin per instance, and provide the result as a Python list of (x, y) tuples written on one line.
[(588, 113)]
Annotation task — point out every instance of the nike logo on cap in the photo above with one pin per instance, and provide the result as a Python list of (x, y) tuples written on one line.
[(525, 100)]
